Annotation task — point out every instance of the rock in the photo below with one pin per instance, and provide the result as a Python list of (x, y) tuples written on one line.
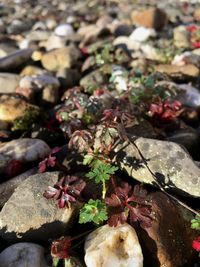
[(11, 108), (142, 34), (32, 70), (119, 78), (8, 82), (22, 255), (179, 72), (64, 30), (38, 35), (181, 37), (93, 80), (28, 216), (18, 26), (54, 42), (168, 241), (65, 57), (187, 58), (124, 41), (123, 30), (197, 14), (25, 149), (68, 77), (150, 18), (48, 84), (113, 246), (171, 164), (188, 95), (15, 59), (188, 138)]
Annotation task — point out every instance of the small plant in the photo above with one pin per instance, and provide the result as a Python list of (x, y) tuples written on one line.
[(50, 161), (66, 191), (196, 244), (93, 211), (195, 223)]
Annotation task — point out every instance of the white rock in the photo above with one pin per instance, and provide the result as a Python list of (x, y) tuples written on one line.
[(119, 78), (54, 42), (113, 246), (64, 30), (25, 149), (190, 95), (22, 255), (141, 34)]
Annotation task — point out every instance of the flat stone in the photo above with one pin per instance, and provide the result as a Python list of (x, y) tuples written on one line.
[(171, 164), (15, 59), (23, 255), (181, 37), (25, 149), (28, 216), (8, 82)]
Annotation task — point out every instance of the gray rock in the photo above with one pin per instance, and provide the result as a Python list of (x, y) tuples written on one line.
[(188, 95), (15, 59), (38, 35), (8, 82), (172, 165), (23, 255), (28, 216), (25, 149)]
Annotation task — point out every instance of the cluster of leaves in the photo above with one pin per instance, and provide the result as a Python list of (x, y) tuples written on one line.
[(66, 191), (194, 31), (195, 224), (164, 112), (50, 161)]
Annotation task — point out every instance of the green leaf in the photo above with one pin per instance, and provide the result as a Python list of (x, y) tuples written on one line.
[(55, 262), (93, 211), (87, 159), (195, 223), (101, 171)]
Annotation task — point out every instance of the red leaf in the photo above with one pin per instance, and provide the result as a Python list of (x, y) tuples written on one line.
[(196, 244), (61, 248)]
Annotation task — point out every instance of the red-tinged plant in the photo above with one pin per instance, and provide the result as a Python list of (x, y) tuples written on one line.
[(165, 111), (70, 127), (50, 161), (191, 28), (13, 168), (60, 248), (81, 140), (129, 203), (196, 244), (66, 191)]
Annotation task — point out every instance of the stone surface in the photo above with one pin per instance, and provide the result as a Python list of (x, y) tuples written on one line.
[(179, 72), (188, 95), (181, 37), (23, 255), (28, 216), (57, 59), (151, 18), (172, 165), (15, 59), (113, 246), (8, 82), (142, 34), (25, 149), (64, 30), (168, 241)]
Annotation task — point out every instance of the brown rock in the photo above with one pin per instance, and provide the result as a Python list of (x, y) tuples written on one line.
[(167, 242), (197, 14), (179, 72), (150, 18)]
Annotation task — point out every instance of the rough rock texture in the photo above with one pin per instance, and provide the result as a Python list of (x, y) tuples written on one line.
[(28, 216), (25, 149), (172, 165), (113, 246), (167, 242), (23, 255)]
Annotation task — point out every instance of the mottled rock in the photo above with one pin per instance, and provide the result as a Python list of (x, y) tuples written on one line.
[(171, 164), (179, 72), (15, 59), (25, 149), (65, 57), (150, 18), (181, 37), (22, 255), (8, 82), (113, 246), (168, 241), (28, 216)]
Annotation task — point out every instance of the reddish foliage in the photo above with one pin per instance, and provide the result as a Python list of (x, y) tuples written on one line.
[(13, 168), (165, 112), (127, 202), (196, 244), (50, 161), (66, 190), (61, 248), (192, 28), (196, 44)]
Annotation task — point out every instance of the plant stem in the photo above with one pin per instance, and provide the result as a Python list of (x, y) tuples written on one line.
[(104, 189)]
